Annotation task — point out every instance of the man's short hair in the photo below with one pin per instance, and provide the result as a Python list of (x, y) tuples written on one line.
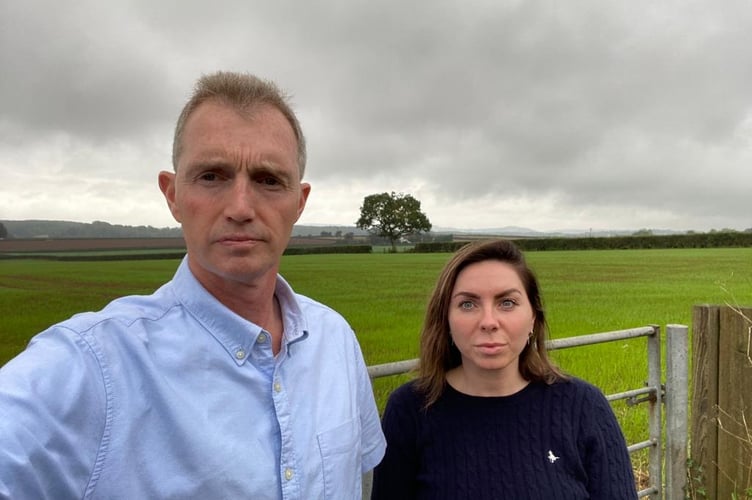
[(240, 91)]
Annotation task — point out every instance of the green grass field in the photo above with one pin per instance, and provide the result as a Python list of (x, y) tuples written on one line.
[(383, 296)]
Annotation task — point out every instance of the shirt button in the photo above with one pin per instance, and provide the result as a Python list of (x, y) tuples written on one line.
[(261, 338), (288, 473), (277, 388), (240, 354)]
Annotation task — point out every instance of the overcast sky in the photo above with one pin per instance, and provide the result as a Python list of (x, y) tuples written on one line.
[(548, 115)]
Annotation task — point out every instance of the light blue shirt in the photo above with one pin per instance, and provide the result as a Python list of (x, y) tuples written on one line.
[(172, 395)]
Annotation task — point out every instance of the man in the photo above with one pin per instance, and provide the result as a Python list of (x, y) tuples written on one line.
[(223, 383)]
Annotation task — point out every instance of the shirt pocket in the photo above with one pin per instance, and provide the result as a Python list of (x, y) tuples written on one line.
[(340, 460)]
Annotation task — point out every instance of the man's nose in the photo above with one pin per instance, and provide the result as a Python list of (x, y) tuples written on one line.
[(241, 200)]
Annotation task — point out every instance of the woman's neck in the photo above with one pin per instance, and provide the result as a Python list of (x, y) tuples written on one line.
[(486, 383)]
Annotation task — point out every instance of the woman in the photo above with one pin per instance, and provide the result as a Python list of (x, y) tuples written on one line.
[(489, 416)]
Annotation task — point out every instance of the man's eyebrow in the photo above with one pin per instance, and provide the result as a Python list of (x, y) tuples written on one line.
[(208, 162), (262, 167), (268, 168)]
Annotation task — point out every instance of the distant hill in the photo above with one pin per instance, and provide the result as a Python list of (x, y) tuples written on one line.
[(26, 229), (23, 229)]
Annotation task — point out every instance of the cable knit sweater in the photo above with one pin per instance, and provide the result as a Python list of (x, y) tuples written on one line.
[(546, 442)]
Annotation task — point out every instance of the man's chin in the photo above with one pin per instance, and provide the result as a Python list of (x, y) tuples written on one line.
[(239, 267)]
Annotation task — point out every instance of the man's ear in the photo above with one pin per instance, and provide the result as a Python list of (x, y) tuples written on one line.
[(167, 186), (305, 190)]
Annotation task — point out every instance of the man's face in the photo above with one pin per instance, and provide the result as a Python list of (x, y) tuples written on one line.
[(237, 192)]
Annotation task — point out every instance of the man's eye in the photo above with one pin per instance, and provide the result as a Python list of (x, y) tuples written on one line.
[(209, 176), (269, 181)]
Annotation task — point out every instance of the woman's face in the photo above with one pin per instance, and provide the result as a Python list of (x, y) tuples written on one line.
[(490, 317)]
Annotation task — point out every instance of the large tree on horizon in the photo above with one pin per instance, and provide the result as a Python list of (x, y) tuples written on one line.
[(392, 215)]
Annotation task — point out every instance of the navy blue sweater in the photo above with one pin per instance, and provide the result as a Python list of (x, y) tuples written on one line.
[(546, 442)]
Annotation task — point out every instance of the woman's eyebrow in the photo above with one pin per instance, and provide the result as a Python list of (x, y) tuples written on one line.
[(503, 293)]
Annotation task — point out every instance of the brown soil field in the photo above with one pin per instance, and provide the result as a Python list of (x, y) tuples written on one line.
[(83, 244), (98, 244)]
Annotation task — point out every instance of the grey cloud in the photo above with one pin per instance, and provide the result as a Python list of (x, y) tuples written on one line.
[(584, 103), (65, 71)]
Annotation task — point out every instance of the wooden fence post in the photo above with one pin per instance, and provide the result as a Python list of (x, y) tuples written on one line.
[(704, 431), (721, 444), (734, 402)]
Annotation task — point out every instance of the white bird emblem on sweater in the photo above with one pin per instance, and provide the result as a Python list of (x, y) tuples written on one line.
[(551, 457)]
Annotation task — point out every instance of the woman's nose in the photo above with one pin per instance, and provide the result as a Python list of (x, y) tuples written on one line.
[(489, 321)]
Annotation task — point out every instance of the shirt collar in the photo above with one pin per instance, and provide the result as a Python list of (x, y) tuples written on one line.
[(295, 327), (236, 334)]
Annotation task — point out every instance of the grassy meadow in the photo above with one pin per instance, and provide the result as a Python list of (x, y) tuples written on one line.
[(383, 296)]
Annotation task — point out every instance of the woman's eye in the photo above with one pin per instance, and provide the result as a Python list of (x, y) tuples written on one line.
[(508, 303), (466, 304)]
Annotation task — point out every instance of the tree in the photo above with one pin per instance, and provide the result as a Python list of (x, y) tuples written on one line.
[(392, 216), (3, 231)]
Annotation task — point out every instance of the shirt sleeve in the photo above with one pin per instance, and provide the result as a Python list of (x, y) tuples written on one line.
[(604, 450), (52, 418), (372, 438), (395, 477)]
